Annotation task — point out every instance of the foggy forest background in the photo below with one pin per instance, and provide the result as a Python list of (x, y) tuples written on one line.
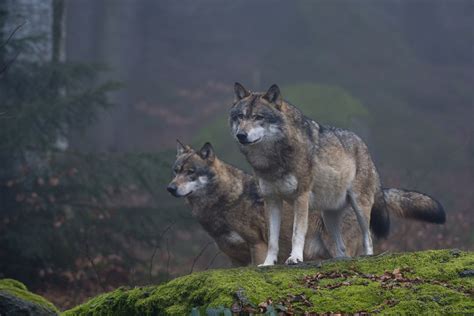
[(93, 95)]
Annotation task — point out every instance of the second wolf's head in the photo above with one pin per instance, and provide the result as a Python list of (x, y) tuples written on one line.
[(256, 117), (193, 171)]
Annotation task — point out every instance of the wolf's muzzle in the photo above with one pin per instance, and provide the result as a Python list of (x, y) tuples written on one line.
[(172, 188), (242, 137)]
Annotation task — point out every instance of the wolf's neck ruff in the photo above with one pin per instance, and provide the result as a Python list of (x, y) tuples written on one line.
[(223, 191)]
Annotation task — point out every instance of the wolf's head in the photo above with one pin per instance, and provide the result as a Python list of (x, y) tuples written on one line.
[(256, 117), (193, 171)]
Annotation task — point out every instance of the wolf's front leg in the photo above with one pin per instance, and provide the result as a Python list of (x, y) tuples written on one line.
[(273, 207), (300, 227)]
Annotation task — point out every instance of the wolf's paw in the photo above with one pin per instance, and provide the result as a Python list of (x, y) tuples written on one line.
[(268, 262), (293, 260)]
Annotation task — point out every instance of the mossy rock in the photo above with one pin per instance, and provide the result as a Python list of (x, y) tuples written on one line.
[(15, 299), (428, 282)]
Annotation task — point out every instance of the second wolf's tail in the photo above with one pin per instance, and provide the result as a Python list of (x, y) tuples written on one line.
[(404, 204)]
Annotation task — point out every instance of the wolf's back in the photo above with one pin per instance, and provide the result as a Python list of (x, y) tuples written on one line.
[(404, 204)]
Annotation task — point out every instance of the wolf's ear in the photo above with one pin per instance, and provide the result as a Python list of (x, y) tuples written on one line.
[(240, 92), (207, 152), (180, 148), (273, 95)]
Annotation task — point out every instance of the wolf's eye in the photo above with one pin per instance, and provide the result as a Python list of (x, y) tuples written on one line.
[(240, 116), (190, 172), (258, 117)]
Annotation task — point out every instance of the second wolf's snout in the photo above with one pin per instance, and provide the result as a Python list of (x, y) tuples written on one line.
[(172, 188)]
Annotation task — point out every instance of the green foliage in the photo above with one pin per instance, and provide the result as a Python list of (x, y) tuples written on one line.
[(326, 104), (431, 283), (42, 101), (62, 210), (19, 290)]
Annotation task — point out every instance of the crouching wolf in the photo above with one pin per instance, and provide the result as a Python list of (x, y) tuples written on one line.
[(312, 166), (226, 202)]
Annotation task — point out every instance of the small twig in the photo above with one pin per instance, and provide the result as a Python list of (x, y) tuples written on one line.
[(213, 259), (168, 256), (199, 255), (6, 65), (132, 276), (382, 253), (160, 236), (91, 261), (13, 33)]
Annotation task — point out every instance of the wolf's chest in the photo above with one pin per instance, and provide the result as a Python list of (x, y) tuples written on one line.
[(285, 186)]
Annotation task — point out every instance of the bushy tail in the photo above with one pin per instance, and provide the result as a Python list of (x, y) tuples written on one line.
[(404, 204), (380, 217), (414, 205)]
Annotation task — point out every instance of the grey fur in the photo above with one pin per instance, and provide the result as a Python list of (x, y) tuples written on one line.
[(299, 161)]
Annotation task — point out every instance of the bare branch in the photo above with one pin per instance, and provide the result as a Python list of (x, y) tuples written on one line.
[(168, 256), (11, 61), (212, 260), (160, 236), (12, 34), (199, 255), (6, 65), (91, 261)]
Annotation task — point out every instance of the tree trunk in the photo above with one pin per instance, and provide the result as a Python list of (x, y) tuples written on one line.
[(59, 31)]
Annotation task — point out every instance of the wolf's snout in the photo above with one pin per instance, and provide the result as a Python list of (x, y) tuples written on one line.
[(242, 137), (172, 188)]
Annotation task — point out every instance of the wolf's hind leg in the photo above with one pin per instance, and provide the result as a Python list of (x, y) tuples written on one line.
[(363, 223), (332, 221), (273, 208)]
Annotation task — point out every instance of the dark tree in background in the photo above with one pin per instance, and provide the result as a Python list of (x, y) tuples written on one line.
[(67, 218)]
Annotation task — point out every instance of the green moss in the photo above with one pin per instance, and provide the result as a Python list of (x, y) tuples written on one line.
[(438, 289), (19, 290), (10, 284)]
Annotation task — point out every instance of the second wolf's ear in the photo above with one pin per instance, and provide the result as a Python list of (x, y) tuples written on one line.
[(180, 148), (207, 152), (273, 95), (240, 92)]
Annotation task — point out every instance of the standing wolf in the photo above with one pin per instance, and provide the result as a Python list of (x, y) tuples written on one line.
[(313, 166)]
